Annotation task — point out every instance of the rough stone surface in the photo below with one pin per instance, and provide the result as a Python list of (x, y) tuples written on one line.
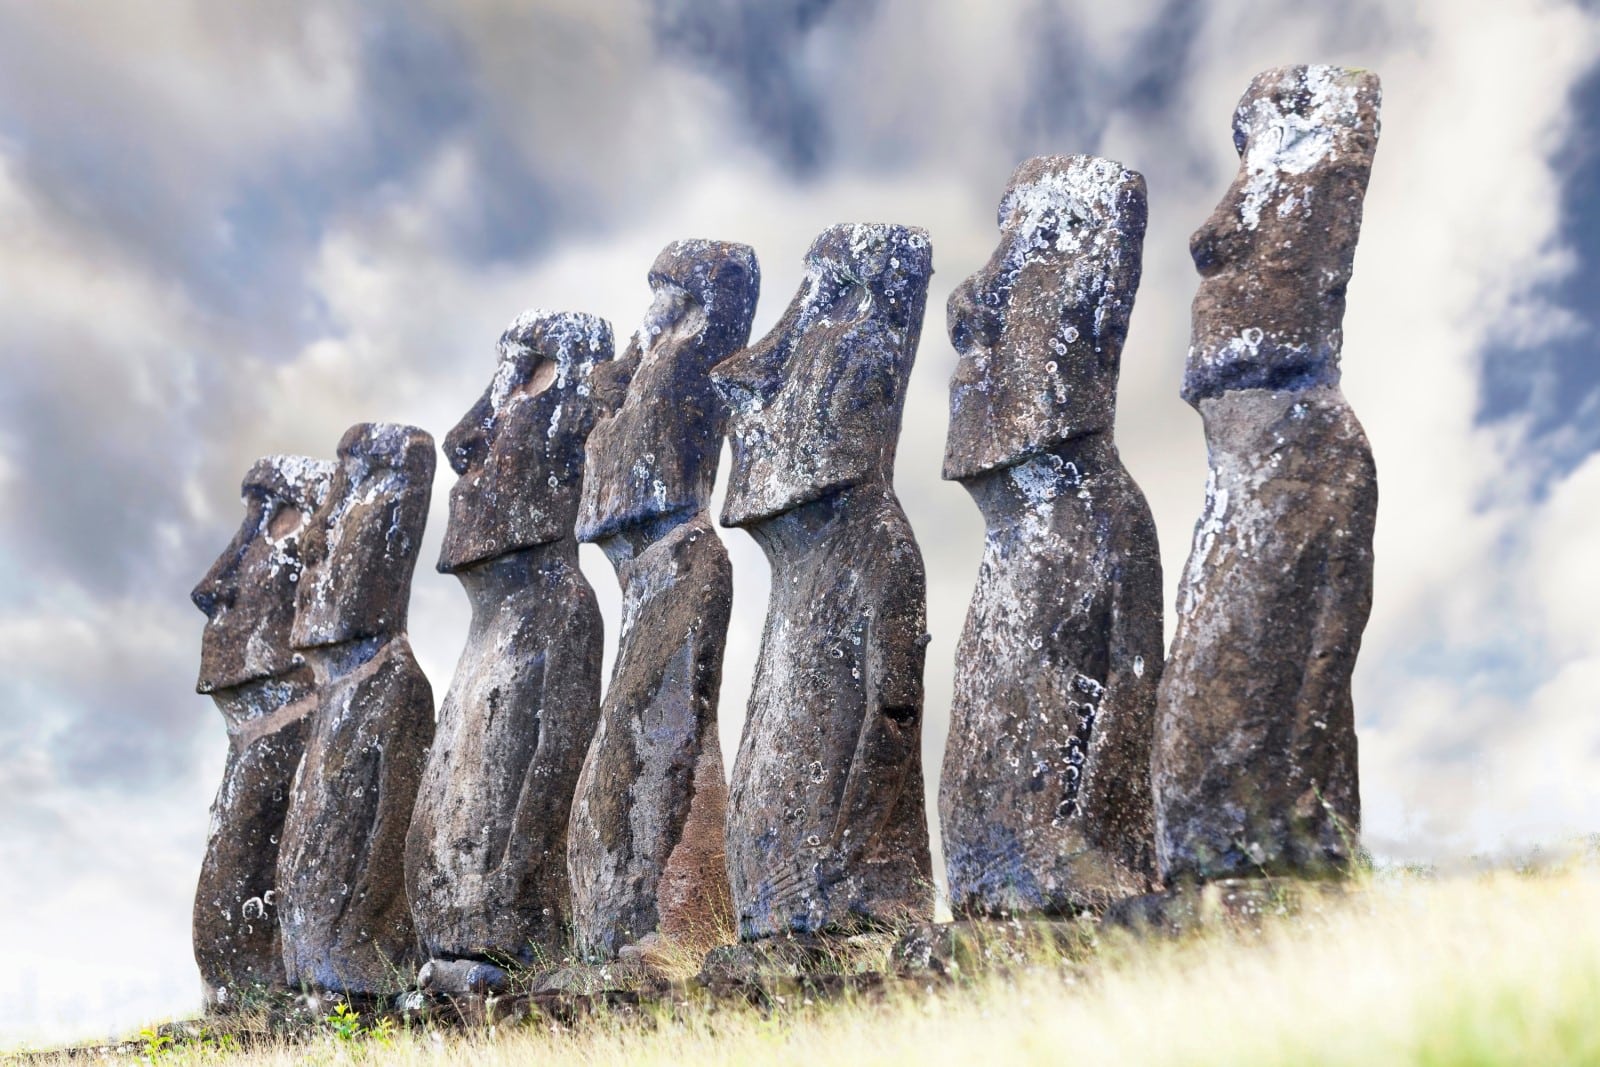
[(1255, 764), (248, 596), (1045, 796), (1275, 256), (659, 392), (592, 979), (486, 858), (264, 691), (346, 922), (1237, 905), (1040, 328), (795, 956), (825, 819), (646, 851), (460, 978), (974, 948)]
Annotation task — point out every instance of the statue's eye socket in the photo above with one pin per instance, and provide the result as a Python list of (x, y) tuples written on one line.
[(843, 297), (539, 379), (285, 522)]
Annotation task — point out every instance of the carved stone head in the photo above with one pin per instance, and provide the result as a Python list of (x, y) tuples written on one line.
[(361, 548), (816, 403), (1040, 328), (519, 451), (1275, 255), (248, 594), (656, 454)]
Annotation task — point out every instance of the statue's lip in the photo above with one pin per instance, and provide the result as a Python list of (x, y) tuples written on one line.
[(313, 643), (593, 528), (212, 686), (750, 514), (465, 561)]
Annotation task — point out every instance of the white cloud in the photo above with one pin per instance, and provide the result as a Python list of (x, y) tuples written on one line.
[(1560, 586), (205, 89), (97, 869), (1462, 225), (100, 953)]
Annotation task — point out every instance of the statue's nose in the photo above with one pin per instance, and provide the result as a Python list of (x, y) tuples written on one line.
[(972, 322), (468, 441), (216, 590), (213, 592), (1214, 245), (205, 600), (752, 373), (738, 370)]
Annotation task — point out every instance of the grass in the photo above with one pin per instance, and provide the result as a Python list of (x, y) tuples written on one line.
[(1501, 968)]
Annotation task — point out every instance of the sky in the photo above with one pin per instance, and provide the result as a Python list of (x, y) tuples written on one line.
[(234, 230)]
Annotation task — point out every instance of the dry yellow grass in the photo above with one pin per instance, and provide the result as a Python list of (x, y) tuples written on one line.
[(1493, 969)]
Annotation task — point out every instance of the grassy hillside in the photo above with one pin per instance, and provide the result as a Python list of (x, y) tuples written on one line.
[(1495, 969)]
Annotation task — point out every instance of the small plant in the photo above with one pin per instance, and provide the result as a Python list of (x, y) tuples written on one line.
[(346, 1026), (183, 1044), (345, 1022), (221, 1044), (156, 1045)]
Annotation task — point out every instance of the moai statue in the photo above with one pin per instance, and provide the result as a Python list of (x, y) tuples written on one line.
[(346, 922), (646, 849), (1255, 765), (1045, 797), (263, 688), (486, 861), (825, 827)]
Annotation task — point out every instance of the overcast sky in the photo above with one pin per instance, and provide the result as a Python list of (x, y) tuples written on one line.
[(228, 230)]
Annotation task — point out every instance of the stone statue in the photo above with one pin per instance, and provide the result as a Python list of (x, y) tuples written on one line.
[(486, 860), (1255, 765), (346, 922), (1045, 796), (646, 850), (264, 690), (825, 827)]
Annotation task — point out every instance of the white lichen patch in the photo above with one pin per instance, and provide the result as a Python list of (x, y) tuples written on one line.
[(1282, 144), (309, 478), (1210, 527), (1074, 215), (1074, 202)]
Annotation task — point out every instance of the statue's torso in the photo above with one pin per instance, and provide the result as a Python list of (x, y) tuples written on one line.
[(486, 859), (826, 824), (647, 825), (346, 921), (1045, 797)]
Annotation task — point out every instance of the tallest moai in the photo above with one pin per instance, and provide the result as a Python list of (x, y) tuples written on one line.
[(1255, 763)]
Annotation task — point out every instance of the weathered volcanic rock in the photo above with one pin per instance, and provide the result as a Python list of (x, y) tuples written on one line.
[(646, 851), (1045, 797), (1233, 905), (461, 978), (971, 949), (263, 689), (659, 391), (826, 829), (1255, 765), (346, 922), (486, 859)]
